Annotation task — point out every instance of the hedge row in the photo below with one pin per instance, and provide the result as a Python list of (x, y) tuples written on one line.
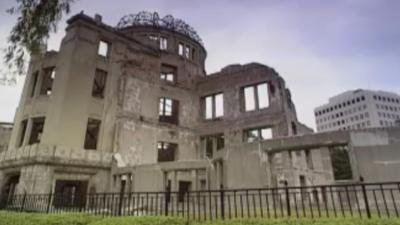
[(7, 218)]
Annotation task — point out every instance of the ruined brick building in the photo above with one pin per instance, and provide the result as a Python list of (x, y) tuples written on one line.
[(133, 104)]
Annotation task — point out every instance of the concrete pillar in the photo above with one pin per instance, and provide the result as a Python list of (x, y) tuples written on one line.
[(217, 175), (174, 181), (271, 174), (27, 133), (221, 173), (2, 181), (117, 184), (195, 180), (354, 163)]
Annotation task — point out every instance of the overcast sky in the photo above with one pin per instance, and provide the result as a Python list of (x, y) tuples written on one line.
[(320, 47)]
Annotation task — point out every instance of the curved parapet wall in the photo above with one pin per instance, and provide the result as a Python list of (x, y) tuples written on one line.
[(153, 19)]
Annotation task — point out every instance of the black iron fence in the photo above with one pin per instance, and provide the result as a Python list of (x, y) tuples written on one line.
[(347, 200)]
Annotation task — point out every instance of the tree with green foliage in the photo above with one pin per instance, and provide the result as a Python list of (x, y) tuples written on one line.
[(36, 19)]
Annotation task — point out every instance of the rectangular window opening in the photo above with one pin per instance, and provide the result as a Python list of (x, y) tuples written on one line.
[(214, 106), (187, 52), (103, 49), (262, 95), (256, 134), (99, 84), (220, 139), (180, 49), (256, 97), (163, 43), (48, 76), (168, 110), (193, 54), (92, 134), (36, 130), (168, 73), (166, 151), (249, 99), (211, 144)]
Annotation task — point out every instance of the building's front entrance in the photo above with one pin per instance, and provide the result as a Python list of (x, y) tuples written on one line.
[(9, 189), (70, 193), (184, 188)]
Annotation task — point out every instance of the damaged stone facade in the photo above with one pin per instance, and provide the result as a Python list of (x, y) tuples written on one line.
[(134, 104)]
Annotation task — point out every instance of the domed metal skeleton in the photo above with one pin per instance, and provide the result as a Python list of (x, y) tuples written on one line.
[(145, 18)]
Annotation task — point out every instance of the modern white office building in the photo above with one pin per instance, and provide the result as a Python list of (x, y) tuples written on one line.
[(358, 109)]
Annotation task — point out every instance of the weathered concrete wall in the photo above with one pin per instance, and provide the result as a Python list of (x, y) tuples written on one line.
[(246, 168), (376, 154)]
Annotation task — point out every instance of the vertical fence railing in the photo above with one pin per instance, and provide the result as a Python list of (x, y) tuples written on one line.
[(363, 200)]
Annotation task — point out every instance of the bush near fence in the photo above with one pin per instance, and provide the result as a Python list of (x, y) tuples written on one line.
[(11, 218)]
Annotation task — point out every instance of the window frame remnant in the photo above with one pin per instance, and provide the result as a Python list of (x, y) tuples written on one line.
[(213, 106), (259, 133), (92, 134), (35, 78), (294, 127), (166, 151), (193, 55), (99, 83), (180, 49), (168, 73), (211, 144), (254, 97), (46, 84), (36, 130), (168, 110), (104, 49), (22, 132), (163, 43), (187, 51)]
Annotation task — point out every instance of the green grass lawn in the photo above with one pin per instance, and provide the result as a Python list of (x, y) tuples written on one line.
[(10, 218)]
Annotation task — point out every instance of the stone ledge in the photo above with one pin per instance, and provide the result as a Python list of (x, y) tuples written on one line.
[(51, 154)]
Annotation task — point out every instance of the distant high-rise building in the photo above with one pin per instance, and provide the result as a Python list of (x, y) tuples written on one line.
[(358, 109)]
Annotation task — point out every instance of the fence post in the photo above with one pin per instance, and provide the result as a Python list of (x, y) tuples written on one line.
[(364, 191), (23, 202), (49, 202), (222, 201), (287, 198), (167, 198)]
